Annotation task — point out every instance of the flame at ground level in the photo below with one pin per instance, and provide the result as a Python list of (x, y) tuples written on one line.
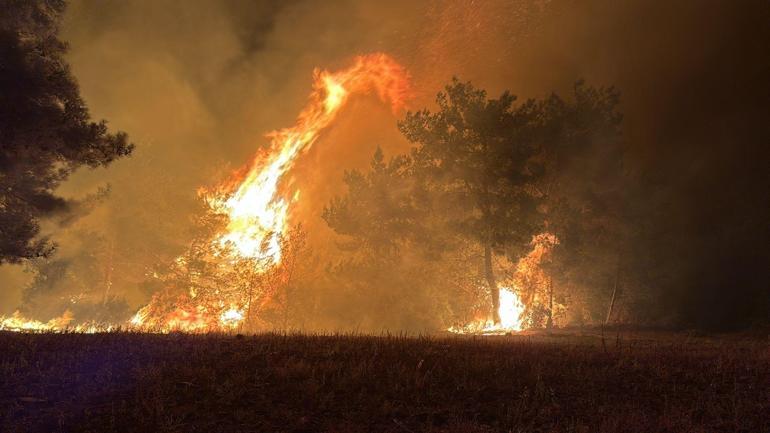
[(199, 320), (511, 317), (18, 323)]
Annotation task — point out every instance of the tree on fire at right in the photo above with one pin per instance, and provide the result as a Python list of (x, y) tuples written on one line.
[(525, 194)]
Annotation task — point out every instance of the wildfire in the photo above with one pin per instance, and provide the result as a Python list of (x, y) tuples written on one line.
[(511, 317), (231, 317), (255, 204), (253, 201), (511, 310), (533, 288), (18, 323), (255, 208)]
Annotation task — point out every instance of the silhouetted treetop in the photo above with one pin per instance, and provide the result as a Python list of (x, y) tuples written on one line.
[(477, 155), (45, 128)]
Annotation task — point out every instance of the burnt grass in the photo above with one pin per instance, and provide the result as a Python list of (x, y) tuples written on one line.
[(565, 382)]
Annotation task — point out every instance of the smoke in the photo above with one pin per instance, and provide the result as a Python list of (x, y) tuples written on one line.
[(196, 85), (694, 92)]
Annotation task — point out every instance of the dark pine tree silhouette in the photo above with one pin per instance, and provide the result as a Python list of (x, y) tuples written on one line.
[(45, 129), (476, 154)]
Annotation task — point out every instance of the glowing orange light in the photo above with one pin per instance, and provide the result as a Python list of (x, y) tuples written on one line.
[(253, 202), (256, 208), (511, 313)]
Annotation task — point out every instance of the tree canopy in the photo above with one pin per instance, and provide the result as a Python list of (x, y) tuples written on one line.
[(493, 181), (477, 156), (46, 132)]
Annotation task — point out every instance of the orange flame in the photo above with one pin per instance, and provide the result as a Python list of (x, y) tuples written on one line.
[(255, 207), (530, 281), (63, 323), (511, 312)]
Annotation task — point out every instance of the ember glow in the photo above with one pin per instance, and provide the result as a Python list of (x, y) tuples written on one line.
[(255, 202)]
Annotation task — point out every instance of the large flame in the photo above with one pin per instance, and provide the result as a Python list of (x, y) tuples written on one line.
[(254, 201), (255, 208)]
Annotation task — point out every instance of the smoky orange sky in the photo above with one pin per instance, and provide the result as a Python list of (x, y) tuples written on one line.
[(198, 84)]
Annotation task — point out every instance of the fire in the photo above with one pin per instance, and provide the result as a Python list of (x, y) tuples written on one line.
[(532, 288), (256, 210), (511, 310), (231, 317), (254, 201), (511, 317), (18, 323)]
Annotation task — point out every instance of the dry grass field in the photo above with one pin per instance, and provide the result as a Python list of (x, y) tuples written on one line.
[(564, 382)]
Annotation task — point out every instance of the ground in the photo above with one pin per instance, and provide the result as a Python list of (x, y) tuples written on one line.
[(558, 382)]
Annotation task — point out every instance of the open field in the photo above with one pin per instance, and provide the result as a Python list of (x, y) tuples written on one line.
[(121, 382)]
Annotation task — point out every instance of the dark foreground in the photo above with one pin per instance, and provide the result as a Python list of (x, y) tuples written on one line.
[(123, 382)]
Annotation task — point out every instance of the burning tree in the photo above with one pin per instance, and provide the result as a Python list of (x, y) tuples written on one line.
[(497, 184), (234, 271), (45, 128), (475, 154), (210, 288)]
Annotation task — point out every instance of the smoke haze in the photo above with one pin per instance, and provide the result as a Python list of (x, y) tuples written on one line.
[(198, 84)]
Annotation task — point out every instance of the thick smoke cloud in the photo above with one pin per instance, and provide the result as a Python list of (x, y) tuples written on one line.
[(197, 84), (695, 92)]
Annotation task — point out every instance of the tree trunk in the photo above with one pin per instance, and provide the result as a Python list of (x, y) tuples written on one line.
[(248, 322), (287, 305), (493, 289), (549, 323), (614, 294), (108, 274)]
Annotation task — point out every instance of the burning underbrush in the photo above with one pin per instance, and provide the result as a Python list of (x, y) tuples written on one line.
[(249, 255), (18, 323), (211, 289)]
